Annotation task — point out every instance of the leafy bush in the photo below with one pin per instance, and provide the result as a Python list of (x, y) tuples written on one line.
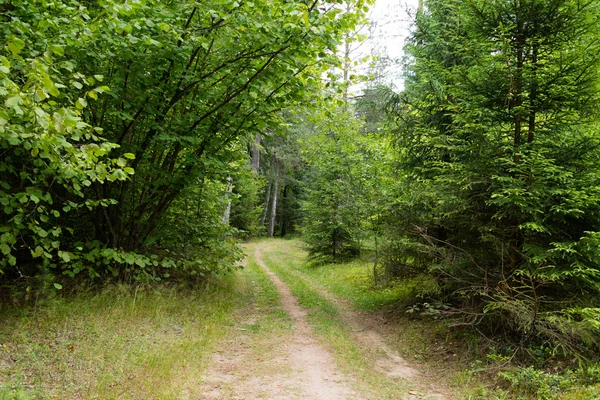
[(50, 156)]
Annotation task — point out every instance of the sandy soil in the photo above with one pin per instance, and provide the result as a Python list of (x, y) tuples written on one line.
[(370, 331), (298, 366), (316, 368)]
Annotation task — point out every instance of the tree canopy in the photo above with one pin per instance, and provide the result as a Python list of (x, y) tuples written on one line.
[(112, 112)]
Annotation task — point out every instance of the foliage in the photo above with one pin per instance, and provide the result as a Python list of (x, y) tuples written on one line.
[(169, 89), (346, 179), (281, 167), (50, 155), (246, 207), (534, 383), (497, 135), (193, 84)]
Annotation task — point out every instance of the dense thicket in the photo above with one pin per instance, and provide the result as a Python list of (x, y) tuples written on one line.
[(120, 123), (497, 131), (346, 177)]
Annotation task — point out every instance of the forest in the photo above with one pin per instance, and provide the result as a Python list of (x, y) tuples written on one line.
[(142, 141)]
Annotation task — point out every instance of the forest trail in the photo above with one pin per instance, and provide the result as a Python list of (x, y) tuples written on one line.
[(271, 360)]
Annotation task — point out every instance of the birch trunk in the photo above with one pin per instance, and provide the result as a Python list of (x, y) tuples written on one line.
[(256, 154), (265, 211), (227, 214), (274, 207)]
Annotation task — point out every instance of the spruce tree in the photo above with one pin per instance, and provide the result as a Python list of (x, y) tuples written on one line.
[(498, 137)]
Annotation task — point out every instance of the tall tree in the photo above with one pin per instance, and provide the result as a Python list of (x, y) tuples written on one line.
[(347, 177), (181, 84), (498, 135)]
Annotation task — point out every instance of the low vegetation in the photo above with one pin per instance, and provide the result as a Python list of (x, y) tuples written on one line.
[(477, 368), (140, 140), (133, 341)]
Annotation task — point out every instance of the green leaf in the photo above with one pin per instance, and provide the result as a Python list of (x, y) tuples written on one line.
[(16, 45), (5, 248), (14, 102), (3, 117), (81, 103), (65, 256), (50, 86), (58, 286), (58, 50)]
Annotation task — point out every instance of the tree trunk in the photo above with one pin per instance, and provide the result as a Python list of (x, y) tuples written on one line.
[(274, 206), (227, 214), (265, 210), (284, 214), (256, 154)]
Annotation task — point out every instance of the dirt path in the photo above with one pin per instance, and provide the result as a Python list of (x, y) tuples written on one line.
[(315, 366), (369, 331), (284, 365), (291, 363)]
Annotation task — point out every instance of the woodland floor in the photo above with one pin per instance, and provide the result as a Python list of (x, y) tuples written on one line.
[(301, 364), (278, 328)]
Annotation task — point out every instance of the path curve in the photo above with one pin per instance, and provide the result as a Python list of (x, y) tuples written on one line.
[(296, 365), (315, 365), (390, 362)]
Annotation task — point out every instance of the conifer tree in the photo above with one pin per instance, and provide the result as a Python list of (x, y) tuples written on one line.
[(498, 135)]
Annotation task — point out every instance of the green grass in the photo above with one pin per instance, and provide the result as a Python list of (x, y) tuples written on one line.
[(286, 259), (353, 281), (139, 342), (126, 342), (416, 339), (271, 318)]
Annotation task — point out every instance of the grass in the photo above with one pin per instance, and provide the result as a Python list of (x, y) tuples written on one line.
[(426, 340), (139, 342), (416, 339), (286, 259), (353, 282), (130, 342)]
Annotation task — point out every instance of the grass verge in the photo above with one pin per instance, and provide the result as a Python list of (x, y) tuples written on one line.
[(131, 342), (453, 354)]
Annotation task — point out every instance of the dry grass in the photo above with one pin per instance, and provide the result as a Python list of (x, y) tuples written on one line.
[(126, 342)]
